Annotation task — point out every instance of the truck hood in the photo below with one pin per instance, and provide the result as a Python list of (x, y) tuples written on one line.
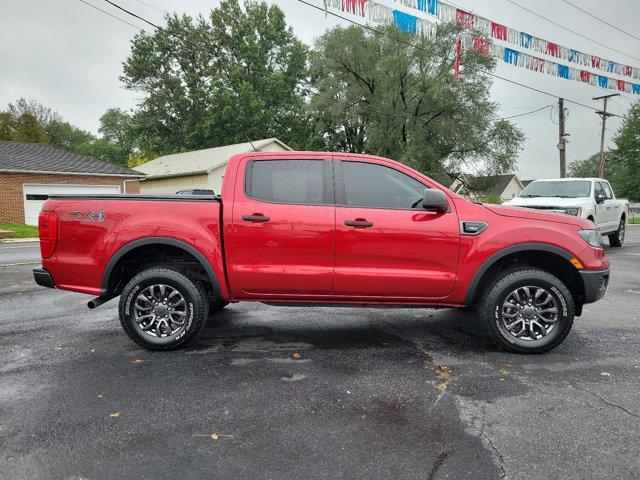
[(529, 214), (546, 202)]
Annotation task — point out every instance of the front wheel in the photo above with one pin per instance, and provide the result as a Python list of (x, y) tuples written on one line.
[(527, 311), (162, 308), (616, 239)]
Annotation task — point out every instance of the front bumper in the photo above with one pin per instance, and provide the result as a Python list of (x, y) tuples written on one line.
[(42, 277), (595, 284)]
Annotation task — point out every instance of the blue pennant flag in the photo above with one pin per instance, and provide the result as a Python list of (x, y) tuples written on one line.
[(611, 66), (563, 71), (511, 56), (635, 88), (526, 40), (429, 6), (404, 21), (574, 56), (603, 81)]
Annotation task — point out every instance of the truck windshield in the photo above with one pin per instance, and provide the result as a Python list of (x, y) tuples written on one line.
[(564, 189)]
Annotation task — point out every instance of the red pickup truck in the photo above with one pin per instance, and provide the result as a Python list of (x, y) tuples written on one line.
[(322, 228)]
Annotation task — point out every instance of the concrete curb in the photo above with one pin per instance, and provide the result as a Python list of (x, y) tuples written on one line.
[(19, 240)]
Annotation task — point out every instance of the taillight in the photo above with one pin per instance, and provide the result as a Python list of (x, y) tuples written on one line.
[(48, 233)]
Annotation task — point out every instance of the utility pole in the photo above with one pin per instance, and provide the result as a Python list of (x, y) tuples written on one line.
[(603, 113), (562, 141)]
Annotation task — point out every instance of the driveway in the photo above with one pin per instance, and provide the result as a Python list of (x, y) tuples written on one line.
[(276, 393)]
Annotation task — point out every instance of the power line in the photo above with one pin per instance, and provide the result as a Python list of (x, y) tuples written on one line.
[(152, 6), (527, 113), (112, 15), (572, 31), (600, 19)]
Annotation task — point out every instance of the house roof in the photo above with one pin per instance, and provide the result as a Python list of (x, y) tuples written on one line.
[(526, 182), (200, 161), (43, 158), (491, 184), (444, 179)]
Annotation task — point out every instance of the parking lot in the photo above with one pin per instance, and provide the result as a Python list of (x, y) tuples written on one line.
[(274, 392)]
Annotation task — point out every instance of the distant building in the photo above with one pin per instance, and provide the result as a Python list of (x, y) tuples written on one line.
[(525, 183), (486, 187), (199, 169), (30, 172)]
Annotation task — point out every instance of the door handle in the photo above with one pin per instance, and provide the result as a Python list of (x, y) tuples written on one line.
[(359, 223), (256, 217)]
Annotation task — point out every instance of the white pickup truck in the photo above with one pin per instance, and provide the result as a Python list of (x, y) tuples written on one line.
[(590, 198)]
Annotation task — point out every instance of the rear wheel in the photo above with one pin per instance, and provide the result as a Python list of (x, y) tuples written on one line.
[(616, 239), (162, 309), (527, 311)]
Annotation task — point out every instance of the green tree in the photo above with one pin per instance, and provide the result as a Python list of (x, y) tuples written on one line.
[(379, 95), (626, 156), (21, 128), (586, 167), (223, 79)]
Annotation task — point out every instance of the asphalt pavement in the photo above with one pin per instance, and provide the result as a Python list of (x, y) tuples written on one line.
[(276, 393)]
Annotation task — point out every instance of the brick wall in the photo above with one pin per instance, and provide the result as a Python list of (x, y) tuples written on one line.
[(11, 197)]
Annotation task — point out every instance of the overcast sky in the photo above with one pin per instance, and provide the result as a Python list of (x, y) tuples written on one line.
[(69, 56)]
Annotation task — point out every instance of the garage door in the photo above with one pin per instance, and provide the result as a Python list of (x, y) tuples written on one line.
[(35, 195)]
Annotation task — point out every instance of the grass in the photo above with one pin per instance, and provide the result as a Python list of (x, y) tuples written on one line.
[(635, 219), (20, 231)]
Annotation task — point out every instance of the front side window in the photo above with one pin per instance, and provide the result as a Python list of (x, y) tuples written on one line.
[(598, 191), (608, 194), (377, 186), (286, 181)]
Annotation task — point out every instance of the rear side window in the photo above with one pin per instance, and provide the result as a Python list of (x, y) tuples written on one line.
[(371, 185), (286, 181)]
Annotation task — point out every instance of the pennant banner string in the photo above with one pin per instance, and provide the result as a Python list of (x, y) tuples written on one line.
[(383, 14)]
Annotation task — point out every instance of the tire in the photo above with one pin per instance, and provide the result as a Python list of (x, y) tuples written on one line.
[(162, 326), (496, 315), (616, 239)]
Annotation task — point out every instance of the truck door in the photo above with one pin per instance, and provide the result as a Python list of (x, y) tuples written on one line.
[(283, 228), (387, 245), (605, 211)]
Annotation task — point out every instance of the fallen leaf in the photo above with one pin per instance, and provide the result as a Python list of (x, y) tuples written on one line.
[(296, 356), (442, 386), (605, 374), (215, 436), (115, 414), (137, 361), (348, 392)]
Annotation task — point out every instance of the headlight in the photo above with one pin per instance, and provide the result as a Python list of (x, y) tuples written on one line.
[(592, 237), (575, 211)]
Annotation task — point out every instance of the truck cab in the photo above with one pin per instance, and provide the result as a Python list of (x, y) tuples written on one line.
[(590, 198)]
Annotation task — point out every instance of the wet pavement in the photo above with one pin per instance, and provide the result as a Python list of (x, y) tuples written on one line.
[(275, 392)]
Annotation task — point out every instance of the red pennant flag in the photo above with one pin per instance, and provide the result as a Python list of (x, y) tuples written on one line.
[(465, 19), (553, 49), (481, 45), (585, 76), (456, 67), (498, 31)]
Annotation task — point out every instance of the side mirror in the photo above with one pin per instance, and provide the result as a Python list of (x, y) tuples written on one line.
[(600, 199), (435, 200)]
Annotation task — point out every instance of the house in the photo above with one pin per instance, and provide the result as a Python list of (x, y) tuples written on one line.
[(201, 169), (29, 172), (487, 187)]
